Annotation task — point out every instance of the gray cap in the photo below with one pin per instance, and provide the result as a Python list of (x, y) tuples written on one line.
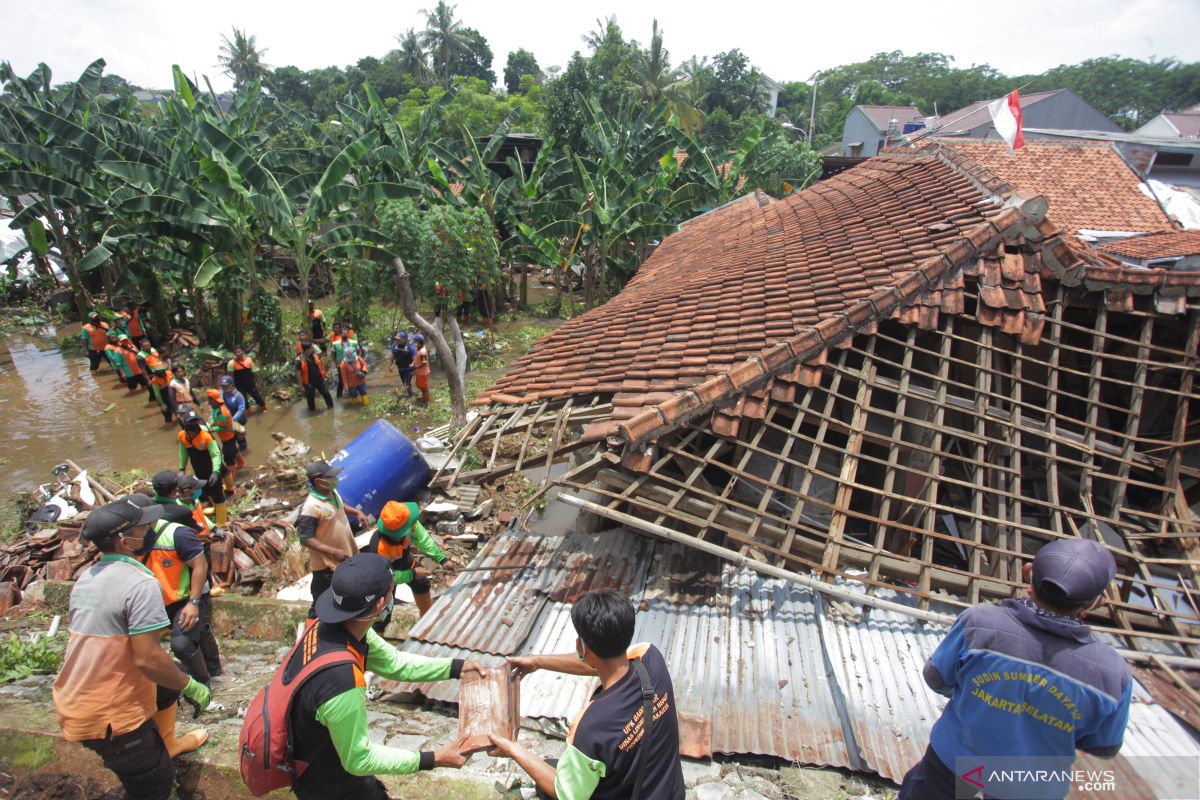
[(1073, 570)]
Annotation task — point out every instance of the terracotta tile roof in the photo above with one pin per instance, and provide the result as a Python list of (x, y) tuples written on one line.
[(1158, 245), (1087, 184), (883, 115), (1188, 124), (976, 114), (752, 274)]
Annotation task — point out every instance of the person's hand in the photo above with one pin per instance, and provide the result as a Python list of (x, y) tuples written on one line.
[(471, 668), (189, 615), (341, 555), (450, 755), (198, 695), (420, 574), (500, 746), (523, 664), (213, 480), (448, 562)]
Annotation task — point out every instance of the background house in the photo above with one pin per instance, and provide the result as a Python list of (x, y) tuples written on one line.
[(1058, 109), (866, 127)]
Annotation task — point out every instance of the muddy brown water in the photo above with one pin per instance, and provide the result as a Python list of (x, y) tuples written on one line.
[(55, 409)]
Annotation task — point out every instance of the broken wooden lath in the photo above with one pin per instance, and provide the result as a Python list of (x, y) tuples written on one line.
[(942, 459)]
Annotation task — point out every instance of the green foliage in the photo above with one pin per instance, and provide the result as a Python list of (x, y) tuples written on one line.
[(358, 284), (266, 320), (15, 509), (454, 246), (19, 658), (520, 63)]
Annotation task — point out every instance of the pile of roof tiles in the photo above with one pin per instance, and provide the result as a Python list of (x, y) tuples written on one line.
[(245, 545), (49, 554)]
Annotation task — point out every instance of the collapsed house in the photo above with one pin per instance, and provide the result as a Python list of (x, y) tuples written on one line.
[(874, 400)]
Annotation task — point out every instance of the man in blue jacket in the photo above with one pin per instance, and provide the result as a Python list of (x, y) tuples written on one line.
[(1028, 684)]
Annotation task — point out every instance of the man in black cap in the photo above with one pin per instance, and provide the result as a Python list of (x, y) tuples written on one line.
[(1026, 678), (170, 490), (324, 526), (328, 721), (117, 689)]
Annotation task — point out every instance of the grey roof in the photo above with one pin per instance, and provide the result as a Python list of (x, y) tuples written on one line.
[(1187, 123), (1162, 142), (883, 115), (778, 669), (972, 116)]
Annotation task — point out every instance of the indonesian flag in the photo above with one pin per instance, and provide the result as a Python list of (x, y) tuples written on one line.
[(1006, 116)]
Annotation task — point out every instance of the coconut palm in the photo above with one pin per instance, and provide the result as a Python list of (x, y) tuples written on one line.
[(241, 58), (593, 39), (411, 58), (444, 38), (656, 81)]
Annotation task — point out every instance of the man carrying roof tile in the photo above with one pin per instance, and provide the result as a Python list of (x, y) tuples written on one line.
[(610, 752), (1028, 684)]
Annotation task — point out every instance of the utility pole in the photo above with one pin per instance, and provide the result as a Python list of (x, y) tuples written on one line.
[(812, 115)]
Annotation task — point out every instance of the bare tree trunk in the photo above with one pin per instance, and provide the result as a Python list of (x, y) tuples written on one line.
[(454, 362)]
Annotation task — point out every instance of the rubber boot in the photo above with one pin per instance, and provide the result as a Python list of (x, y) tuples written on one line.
[(165, 720), (221, 513), (424, 602), (366, 401), (195, 664)]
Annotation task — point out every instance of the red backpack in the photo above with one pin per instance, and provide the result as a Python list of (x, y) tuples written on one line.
[(266, 739)]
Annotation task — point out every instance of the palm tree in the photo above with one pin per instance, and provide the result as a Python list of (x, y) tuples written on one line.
[(656, 81), (411, 57), (241, 58), (593, 39), (443, 38)]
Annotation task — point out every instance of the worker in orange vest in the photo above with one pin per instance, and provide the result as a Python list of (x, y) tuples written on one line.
[(241, 367), (95, 338), (198, 446), (311, 374), (221, 424), (130, 318), (154, 366), (421, 368)]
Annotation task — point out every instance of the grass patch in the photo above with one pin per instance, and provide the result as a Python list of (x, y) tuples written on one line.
[(15, 508), (19, 658), (407, 413)]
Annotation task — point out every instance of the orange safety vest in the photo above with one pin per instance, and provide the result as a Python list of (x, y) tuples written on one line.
[(235, 365), (203, 529), (222, 423), (97, 335), (135, 323), (173, 573), (130, 357), (159, 377), (391, 549), (199, 442), (303, 367)]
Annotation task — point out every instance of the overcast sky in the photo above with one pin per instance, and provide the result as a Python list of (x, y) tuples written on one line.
[(141, 39)]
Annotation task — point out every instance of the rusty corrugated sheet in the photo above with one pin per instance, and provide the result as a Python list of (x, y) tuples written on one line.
[(877, 662)]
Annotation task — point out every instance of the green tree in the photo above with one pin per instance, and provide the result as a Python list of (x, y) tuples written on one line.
[(241, 59), (519, 64), (565, 119), (412, 59), (475, 60), (444, 39), (734, 85), (656, 81)]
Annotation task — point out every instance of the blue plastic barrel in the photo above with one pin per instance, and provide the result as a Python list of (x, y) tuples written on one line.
[(381, 464)]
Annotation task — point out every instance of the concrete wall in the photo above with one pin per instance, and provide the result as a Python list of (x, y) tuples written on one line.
[(860, 128)]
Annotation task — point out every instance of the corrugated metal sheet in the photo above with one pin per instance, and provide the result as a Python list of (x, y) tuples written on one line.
[(877, 662), (777, 669)]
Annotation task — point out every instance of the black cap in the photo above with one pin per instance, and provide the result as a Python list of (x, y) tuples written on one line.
[(358, 582), (169, 480), (1073, 570), (119, 516), (322, 469), (190, 418)]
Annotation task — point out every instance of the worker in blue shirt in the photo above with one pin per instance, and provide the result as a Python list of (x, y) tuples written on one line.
[(1028, 685), (235, 401)]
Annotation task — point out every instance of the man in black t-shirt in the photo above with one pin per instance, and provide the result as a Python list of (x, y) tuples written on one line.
[(607, 739)]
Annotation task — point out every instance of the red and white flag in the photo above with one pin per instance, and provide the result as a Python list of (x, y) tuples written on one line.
[(1006, 116)]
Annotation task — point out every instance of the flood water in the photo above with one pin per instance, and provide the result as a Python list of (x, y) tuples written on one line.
[(54, 409)]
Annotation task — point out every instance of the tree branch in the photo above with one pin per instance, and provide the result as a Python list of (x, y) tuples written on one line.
[(456, 368)]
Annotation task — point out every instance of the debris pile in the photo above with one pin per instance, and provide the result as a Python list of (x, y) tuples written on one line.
[(50, 554)]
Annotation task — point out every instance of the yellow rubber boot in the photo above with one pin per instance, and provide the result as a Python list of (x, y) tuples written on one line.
[(221, 512), (366, 401), (165, 720)]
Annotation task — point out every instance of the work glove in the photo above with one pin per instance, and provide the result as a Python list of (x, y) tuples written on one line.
[(213, 480), (198, 696)]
